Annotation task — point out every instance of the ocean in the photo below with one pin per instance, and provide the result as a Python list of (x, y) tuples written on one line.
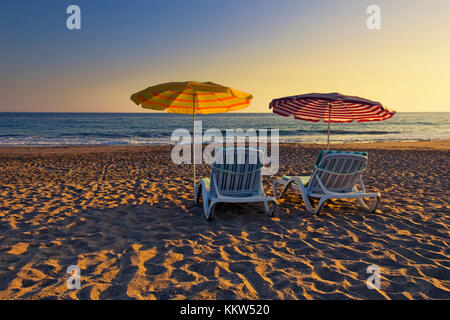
[(53, 129)]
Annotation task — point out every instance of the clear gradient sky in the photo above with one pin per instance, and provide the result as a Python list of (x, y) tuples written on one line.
[(270, 48)]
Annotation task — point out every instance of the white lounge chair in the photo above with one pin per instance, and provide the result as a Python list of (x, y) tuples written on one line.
[(335, 176), (235, 178)]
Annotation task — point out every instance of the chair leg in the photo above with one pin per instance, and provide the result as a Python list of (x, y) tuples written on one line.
[(270, 210), (373, 207), (307, 202), (207, 204), (320, 205), (303, 192), (275, 193), (283, 190), (209, 212)]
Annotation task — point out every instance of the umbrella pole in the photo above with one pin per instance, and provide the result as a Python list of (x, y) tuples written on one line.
[(329, 122), (193, 131)]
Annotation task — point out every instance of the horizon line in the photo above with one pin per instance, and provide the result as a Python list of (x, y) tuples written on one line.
[(187, 114)]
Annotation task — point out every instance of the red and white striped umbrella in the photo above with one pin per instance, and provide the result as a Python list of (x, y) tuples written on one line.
[(331, 107)]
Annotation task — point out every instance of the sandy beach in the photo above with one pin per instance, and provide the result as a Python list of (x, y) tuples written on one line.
[(125, 216)]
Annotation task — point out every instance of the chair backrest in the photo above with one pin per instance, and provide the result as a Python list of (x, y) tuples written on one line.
[(236, 172), (338, 172)]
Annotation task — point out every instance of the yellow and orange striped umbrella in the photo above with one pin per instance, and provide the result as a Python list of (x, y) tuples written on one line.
[(192, 97)]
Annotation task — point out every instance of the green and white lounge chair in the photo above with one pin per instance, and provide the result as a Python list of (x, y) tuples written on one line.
[(235, 178), (336, 175)]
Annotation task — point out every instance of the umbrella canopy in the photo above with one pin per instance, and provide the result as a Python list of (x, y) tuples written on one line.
[(191, 97), (331, 107)]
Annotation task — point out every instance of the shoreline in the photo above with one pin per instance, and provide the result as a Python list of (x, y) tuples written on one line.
[(388, 145)]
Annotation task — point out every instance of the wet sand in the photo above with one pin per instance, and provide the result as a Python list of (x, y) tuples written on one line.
[(125, 216)]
